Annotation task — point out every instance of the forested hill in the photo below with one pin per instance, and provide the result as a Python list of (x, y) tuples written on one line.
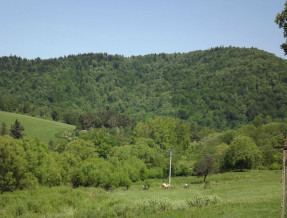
[(221, 87)]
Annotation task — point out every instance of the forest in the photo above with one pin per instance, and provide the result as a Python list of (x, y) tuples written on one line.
[(221, 88), (119, 156)]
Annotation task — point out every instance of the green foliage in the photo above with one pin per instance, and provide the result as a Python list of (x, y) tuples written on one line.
[(114, 157), (4, 130), (202, 87), (103, 139), (81, 149), (156, 205), (29, 181), (201, 200), (89, 120), (236, 194), (48, 172), (166, 132), (205, 166), (258, 121), (25, 163), (13, 164), (99, 173), (281, 20), (16, 130), (242, 154), (228, 136), (135, 169)]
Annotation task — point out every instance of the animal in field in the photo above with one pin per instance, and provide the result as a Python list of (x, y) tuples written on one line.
[(165, 186), (145, 187), (185, 185)]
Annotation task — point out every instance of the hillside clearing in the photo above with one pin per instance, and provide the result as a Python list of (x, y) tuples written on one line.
[(39, 128)]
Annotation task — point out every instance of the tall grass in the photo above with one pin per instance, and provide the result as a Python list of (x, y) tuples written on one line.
[(241, 196)]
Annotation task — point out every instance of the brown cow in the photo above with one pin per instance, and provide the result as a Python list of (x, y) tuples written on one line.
[(165, 186)]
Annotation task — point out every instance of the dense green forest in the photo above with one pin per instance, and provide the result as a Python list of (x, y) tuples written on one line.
[(221, 88), (113, 157)]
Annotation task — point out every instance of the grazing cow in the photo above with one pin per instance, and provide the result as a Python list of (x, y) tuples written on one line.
[(145, 187), (165, 186)]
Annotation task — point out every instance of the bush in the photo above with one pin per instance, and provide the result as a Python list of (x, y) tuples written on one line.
[(155, 172), (29, 181), (243, 153), (148, 182), (201, 200), (155, 206)]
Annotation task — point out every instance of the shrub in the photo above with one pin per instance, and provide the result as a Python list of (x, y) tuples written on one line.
[(29, 181), (155, 206), (201, 200), (148, 182), (243, 153)]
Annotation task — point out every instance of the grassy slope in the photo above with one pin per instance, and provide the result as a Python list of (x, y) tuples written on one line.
[(42, 129), (247, 194)]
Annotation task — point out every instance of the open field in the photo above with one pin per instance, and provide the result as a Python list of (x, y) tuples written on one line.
[(42, 129), (236, 194)]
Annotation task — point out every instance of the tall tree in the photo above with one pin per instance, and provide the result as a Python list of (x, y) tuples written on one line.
[(16, 130), (205, 166), (281, 20), (243, 153)]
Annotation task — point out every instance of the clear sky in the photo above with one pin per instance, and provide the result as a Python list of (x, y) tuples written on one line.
[(54, 28)]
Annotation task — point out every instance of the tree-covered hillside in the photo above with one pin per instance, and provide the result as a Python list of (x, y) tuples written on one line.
[(221, 87)]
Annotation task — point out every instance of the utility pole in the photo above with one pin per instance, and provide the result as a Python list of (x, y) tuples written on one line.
[(170, 157), (283, 194)]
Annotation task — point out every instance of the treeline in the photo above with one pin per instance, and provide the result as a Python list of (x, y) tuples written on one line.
[(15, 131), (221, 88), (113, 157)]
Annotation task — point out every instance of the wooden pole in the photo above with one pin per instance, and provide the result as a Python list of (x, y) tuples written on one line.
[(285, 174), (284, 193), (283, 184), (170, 157)]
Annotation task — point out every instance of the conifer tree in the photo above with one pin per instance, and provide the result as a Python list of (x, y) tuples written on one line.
[(16, 130)]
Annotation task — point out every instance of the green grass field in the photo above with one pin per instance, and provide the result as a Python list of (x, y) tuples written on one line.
[(236, 194), (42, 129)]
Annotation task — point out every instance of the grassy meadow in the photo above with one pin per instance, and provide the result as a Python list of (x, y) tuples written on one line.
[(235, 194), (42, 129)]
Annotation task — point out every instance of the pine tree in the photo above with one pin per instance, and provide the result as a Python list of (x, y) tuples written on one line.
[(16, 130)]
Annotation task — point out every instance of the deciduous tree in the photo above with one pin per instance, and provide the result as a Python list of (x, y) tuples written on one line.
[(205, 166), (281, 20), (243, 153)]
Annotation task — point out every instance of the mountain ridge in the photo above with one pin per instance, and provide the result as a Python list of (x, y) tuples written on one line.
[(223, 87)]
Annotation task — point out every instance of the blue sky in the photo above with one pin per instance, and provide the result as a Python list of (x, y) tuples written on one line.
[(54, 28)]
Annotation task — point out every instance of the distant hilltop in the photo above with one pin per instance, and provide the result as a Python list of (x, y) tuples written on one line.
[(221, 87)]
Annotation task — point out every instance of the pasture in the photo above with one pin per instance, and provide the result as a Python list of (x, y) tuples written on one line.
[(235, 194), (42, 129)]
